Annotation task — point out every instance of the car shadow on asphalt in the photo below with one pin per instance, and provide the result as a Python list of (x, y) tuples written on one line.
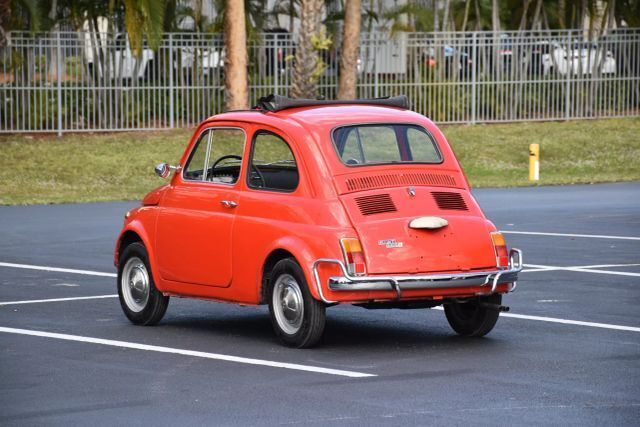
[(343, 331)]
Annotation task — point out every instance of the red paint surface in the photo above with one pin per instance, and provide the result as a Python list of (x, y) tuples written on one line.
[(199, 248)]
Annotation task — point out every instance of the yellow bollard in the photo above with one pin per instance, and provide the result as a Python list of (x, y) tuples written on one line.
[(534, 162)]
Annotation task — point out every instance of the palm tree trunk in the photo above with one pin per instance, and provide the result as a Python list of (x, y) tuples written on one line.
[(562, 14), (304, 82), (466, 16), (292, 14), (536, 24), (52, 72), (235, 61), (445, 18), (497, 60), (350, 45), (523, 18), (5, 17), (611, 16), (495, 16)]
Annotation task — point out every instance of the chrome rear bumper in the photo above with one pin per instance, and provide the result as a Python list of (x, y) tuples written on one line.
[(492, 278)]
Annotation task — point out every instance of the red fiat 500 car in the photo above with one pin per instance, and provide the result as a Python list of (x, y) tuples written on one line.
[(302, 205)]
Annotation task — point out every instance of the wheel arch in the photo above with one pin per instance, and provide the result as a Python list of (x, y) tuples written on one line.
[(132, 233), (288, 247), (272, 259), (127, 238)]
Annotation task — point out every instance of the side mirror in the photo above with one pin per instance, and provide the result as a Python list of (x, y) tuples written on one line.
[(164, 169)]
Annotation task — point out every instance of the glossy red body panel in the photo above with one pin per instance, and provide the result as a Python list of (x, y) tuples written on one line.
[(199, 248), (154, 196)]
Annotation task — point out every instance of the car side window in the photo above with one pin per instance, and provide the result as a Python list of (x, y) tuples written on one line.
[(194, 170), (217, 156), (225, 156), (272, 164)]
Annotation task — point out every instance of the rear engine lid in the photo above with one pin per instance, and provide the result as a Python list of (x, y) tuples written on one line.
[(384, 178), (420, 230)]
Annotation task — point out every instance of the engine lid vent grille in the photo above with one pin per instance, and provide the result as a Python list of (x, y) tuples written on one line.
[(449, 201), (376, 204), (395, 180)]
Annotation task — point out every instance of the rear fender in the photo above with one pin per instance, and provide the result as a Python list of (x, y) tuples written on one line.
[(304, 255)]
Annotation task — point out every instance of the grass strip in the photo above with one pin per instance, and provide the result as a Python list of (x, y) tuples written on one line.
[(119, 166)]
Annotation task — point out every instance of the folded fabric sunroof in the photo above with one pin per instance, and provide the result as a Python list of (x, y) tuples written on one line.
[(277, 102)]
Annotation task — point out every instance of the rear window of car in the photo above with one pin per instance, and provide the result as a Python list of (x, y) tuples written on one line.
[(385, 143)]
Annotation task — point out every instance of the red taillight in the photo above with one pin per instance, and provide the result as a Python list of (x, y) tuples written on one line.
[(353, 256), (500, 247)]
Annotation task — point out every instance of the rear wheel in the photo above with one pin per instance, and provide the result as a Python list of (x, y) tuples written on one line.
[(141, 301), (297, 318), (475, 317)]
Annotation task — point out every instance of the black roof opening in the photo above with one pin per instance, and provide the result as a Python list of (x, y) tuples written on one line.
[(277, 103)]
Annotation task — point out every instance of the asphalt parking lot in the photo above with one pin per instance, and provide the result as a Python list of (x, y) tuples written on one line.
[(567, 353)]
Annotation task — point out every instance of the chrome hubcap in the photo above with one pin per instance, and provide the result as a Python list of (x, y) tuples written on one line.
[(135, 284), (288, 304)]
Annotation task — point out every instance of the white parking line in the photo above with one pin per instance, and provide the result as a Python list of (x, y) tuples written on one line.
[(532, 268), (535, 268), (34, 301), (519, 316), (572, 322), (591, 236), (566, 321), (538, 267), (160, 349), (57, 269), (583, 269)]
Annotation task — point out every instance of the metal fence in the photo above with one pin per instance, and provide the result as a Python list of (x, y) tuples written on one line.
[(75, 81)]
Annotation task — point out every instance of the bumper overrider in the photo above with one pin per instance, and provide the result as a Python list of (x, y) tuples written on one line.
[(489, 279)]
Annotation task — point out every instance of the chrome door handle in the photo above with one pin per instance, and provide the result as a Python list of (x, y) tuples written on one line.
[(228, 203)]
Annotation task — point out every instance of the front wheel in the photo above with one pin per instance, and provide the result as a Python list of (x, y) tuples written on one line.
[(141, 301), (475, 317), (298, 319)]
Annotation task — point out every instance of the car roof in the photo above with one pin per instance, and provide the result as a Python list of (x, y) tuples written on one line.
[(323, 116), (339, 115)]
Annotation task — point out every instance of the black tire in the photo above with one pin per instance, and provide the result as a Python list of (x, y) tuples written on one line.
[(142, 303), (474, 318), (294, 329)]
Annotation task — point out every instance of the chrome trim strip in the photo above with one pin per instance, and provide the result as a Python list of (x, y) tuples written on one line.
[(317, 277), (347, 282)]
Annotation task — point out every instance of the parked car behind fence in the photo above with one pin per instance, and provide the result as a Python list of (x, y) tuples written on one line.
[(467, 77), (580, 59)]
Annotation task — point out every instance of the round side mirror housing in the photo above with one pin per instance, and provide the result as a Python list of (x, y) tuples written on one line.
[(164, 169)]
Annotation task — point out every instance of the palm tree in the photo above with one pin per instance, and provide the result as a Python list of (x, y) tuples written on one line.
[(306, 59), (349, 54), (144, 18), (20, 15), (235, 61), (5, 16)]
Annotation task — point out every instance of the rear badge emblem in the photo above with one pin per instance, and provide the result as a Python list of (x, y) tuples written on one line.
[(390, 243), (411, 191)]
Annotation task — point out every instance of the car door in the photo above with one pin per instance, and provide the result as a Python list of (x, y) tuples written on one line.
[(193, 234)]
